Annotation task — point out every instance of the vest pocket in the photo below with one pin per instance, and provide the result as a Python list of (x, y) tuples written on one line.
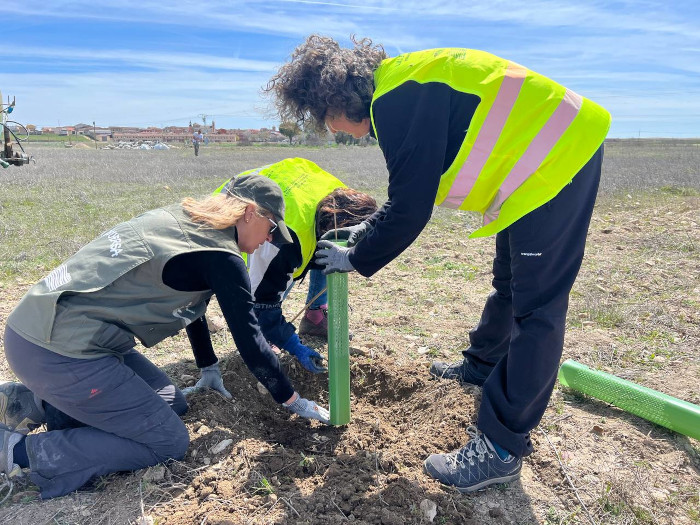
[(113, 338), (151, 334)]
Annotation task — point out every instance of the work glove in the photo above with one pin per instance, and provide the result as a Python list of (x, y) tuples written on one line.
[(211, 378), (308, 409), (351, 234), (309, 359), (335, 258)]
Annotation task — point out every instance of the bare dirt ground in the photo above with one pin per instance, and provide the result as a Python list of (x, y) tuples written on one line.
[(635, 312)]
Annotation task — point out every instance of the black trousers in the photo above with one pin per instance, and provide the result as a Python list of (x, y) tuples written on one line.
[(518, 342)]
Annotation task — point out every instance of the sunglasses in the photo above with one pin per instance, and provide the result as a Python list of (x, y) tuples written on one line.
[(273, 227)]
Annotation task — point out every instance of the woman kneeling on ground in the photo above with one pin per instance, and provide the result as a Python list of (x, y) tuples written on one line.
[(71, 339)]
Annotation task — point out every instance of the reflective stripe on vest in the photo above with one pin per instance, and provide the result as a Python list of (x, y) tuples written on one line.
[(536, 152), (488, 135)]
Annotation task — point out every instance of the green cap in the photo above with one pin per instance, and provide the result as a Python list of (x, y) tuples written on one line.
[(267, 195)]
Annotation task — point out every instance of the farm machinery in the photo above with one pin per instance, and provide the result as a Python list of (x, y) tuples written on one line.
[(9, 137)]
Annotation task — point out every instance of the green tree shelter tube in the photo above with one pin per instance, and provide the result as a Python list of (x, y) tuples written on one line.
[(338, 348), (662, 409)]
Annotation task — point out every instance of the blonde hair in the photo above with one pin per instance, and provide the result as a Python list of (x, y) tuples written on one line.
[(218, 211)]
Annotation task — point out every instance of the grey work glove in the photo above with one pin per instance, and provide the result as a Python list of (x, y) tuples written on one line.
[(308, 409), (335, 258), (211, 378), (351, 234)]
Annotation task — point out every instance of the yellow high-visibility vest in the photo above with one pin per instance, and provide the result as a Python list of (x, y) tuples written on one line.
[(304, 184), (527, 139)]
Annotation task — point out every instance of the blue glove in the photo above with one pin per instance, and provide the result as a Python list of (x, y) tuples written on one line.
[(211, 378), (335, 258), (351, 234), (308, 409), (309, 359)]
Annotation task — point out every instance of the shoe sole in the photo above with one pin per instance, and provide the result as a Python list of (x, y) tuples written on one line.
[(487, 483), (26, 425)]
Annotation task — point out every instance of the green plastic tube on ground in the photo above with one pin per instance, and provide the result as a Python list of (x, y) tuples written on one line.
[(338, 348), (659, 408)]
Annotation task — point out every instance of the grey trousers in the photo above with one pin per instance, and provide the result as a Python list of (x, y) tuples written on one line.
[(130, 410)]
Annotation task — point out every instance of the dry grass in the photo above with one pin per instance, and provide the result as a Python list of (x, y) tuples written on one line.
[(634, 312)]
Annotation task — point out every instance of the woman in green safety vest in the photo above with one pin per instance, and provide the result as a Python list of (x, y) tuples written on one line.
[(468, 130), (315, 202), (71, 338)]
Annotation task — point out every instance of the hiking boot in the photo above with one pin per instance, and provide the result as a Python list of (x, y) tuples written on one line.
[(315, 322), (20, 410), (459, 371), (8, 440), (474, 466)]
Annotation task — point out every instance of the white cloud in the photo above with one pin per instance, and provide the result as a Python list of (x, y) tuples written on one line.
[(135, 57), (341, 18), (135, 99)]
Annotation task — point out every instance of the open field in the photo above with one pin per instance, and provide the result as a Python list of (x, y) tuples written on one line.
[(634, 312), (52, 138)]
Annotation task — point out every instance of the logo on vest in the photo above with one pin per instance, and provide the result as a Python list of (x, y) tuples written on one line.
[(183, 311), (57, 278), (115, 246), (531, 254)]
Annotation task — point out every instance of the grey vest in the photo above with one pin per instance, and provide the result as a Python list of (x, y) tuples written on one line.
[(112, 289)]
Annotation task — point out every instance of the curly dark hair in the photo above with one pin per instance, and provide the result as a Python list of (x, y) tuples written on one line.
[(321, 77), (343, 207)]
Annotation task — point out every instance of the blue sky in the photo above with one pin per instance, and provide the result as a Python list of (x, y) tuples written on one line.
[(149, 63)]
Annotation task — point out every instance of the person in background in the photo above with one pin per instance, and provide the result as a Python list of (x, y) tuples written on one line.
[(468, 130), (315, 203), (71, 338), (197, 139)]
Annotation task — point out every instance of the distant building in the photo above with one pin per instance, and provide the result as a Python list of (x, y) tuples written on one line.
[(82, 129), (176, 129), (124, 129), (102, 134), (206, 130), (171, 134)]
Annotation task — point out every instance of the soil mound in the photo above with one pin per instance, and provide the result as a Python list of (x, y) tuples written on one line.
[(278, 468)]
